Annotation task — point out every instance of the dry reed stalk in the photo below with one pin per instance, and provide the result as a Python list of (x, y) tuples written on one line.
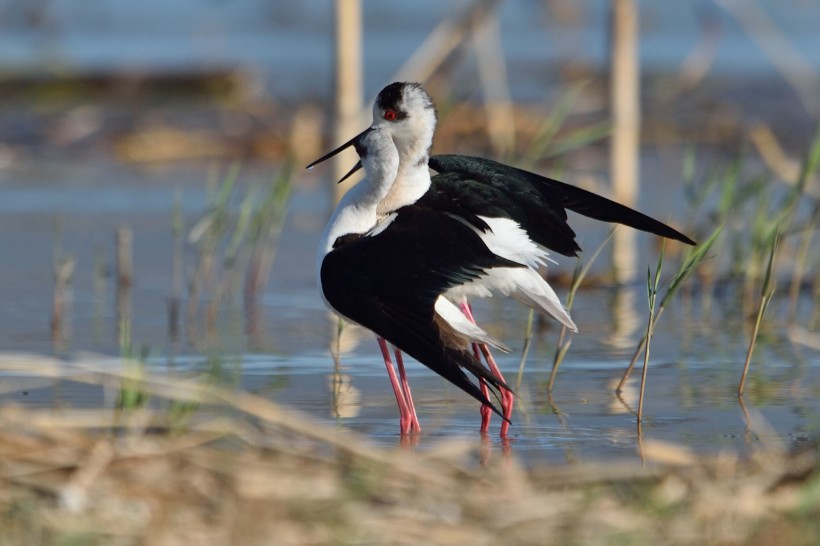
[(700, 59), (795, 67), (626, 126), (125, 267), (349, 94), (88, 477), (787, 169), (492, 71), (444, 39), (177, 268), (61, 299)]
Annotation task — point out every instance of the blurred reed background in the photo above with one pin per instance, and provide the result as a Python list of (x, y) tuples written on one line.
[(715, 112), (155, 210), (704, 115)]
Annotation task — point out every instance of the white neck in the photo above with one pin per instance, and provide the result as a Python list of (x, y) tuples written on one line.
[(413, 178), (357, 210), (412, 181)]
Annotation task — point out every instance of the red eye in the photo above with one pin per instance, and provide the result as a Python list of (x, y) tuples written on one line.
[(390, 115)]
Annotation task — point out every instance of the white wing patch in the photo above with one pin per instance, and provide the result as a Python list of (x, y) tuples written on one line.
[(509, 240), (523, 284)]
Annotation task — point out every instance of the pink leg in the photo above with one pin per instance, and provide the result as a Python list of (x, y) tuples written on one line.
[(507, 398), (408, 397), (405, 417), (486, 411)]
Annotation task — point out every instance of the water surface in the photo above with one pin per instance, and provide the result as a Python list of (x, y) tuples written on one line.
[(284, 353)]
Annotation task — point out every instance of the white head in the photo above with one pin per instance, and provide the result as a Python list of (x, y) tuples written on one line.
[(406, 114)]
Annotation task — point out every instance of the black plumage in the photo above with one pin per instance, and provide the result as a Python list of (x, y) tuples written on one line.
[(474, 186), (479, 186), (389, 283)]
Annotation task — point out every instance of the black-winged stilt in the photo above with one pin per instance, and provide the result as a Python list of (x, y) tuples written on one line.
[(389, 275), (472, 206)]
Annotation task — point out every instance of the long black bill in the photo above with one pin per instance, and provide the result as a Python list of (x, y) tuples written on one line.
[(351, 172), (344, 146)]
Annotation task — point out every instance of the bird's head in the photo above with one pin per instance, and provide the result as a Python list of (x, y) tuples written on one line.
[(407, 112), (403, 112)]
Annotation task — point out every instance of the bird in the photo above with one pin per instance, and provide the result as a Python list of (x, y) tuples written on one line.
[(516, 215), (389, 275)]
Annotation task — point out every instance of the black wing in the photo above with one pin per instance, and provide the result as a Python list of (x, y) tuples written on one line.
[(538, 203), (389, 284)]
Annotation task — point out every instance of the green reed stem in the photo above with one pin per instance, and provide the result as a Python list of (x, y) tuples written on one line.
[(564, 341), (693, 259), (652, 294), (766, 293)]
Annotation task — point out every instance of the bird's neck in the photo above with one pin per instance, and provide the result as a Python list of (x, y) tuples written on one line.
[(412, 181), (357, 210)]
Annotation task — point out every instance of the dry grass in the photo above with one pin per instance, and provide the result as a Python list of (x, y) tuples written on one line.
[(238, 469)]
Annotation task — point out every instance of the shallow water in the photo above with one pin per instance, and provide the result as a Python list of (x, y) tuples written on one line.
[(281, 348), (284, 354)]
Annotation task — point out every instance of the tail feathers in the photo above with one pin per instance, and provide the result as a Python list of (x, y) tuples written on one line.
[(448, 311), (603, 209), (468, 362), (548, 305), (529, 288)]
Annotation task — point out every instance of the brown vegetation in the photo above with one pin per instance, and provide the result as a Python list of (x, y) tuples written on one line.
[(204, 465)]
